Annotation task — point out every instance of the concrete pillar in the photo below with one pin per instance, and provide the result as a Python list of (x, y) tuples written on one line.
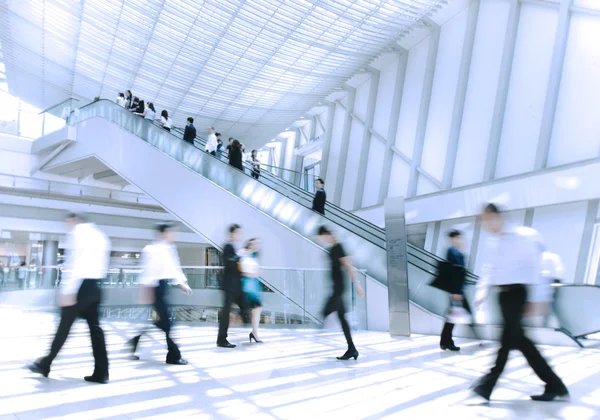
[(49, 258)]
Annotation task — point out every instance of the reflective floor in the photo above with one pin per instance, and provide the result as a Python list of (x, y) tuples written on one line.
[(294, 375)]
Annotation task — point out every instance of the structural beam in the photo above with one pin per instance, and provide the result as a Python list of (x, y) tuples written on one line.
[(337, 197), (390, 140), (327, 142), (434, 40), (461, 94), (508, 55), (586, 241), (554, 80), (366, 139)]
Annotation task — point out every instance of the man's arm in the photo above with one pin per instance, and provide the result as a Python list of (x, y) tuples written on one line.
[(347, 264)]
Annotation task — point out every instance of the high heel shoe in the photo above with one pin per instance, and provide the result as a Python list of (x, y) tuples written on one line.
[(349, 355), (252, 337)]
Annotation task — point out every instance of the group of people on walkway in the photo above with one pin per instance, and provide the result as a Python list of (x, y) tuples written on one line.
[(512, 260), (87, 264)]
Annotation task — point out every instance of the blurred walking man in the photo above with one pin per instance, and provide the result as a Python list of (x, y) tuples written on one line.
[(232, 285), (339, 261), (161, 266), (79, 294), (512, 265)]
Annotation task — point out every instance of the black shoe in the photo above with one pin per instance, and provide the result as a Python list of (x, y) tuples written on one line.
[(552, 396), (253, 337), (97, 379), (133, 357), (450, 347), (225, 344), (37, 367), (179, 361), (481, 392), (349, 355)]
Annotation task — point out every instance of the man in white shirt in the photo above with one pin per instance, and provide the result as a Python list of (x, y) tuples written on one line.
[(161, 266), (211, 142), (79, 294), (512, 264)]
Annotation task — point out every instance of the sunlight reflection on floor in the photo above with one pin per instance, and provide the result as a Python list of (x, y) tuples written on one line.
[(294, 375)]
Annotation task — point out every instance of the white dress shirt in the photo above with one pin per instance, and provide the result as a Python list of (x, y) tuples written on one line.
[(514, 257), (166, 122), (88, 254), (160, 261), (211, 143)]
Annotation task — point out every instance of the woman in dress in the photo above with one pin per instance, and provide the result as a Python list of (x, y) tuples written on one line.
[(235, 156), (251, 285)]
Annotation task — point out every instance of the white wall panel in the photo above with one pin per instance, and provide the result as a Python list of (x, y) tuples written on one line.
[(562, 230), (425, 186), (527, 90), (481, 92), (399, 177), (445, 81), (352, 161), (576, 134), (362, 99), (411, 98), (373, 178), (334, 149), (385, 96)]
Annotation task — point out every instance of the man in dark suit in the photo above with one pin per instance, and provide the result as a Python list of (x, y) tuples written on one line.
[(232, 285), (190, 131), (456, 279), (320, 197)]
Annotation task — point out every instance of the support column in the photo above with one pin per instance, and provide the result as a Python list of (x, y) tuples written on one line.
[(508, 55), (554, 80), (390, 139), (397, 266), (586, 241), (327, 142), (49, 258), (461, 94), (434, 40), (337, 197), (297, 165), (366, 140)]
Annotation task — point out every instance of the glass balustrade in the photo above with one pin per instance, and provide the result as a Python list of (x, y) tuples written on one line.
[(290, 295)]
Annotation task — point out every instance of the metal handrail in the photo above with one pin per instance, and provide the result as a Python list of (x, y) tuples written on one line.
[(58, 104)]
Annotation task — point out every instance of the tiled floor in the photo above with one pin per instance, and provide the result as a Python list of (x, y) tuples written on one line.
[(294, 375)]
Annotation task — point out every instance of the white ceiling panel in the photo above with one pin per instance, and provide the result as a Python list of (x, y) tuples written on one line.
[(248, 67)]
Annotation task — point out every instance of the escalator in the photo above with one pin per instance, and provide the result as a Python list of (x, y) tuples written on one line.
[(207, 194)]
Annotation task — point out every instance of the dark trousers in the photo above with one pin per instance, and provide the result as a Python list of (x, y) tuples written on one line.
[(446, 336), (336, 304), (88, 300), (512, 303), (231, 297), (255, 174), (163, 322)]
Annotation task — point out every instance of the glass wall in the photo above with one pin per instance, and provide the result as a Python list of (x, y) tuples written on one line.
[(21, 119)]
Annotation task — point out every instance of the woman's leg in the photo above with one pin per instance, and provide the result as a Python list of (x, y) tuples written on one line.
[(256, 320)]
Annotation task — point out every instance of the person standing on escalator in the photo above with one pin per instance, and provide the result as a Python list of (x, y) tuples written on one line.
[(235, 155), (190, 131), (320, 197), (211, 142)]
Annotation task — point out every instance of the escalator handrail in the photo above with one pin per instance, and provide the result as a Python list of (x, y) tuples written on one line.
[(355, 221)]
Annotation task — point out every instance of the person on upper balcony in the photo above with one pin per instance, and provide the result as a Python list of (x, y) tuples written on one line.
[(320, 197), (211, 142), (190, 131)]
